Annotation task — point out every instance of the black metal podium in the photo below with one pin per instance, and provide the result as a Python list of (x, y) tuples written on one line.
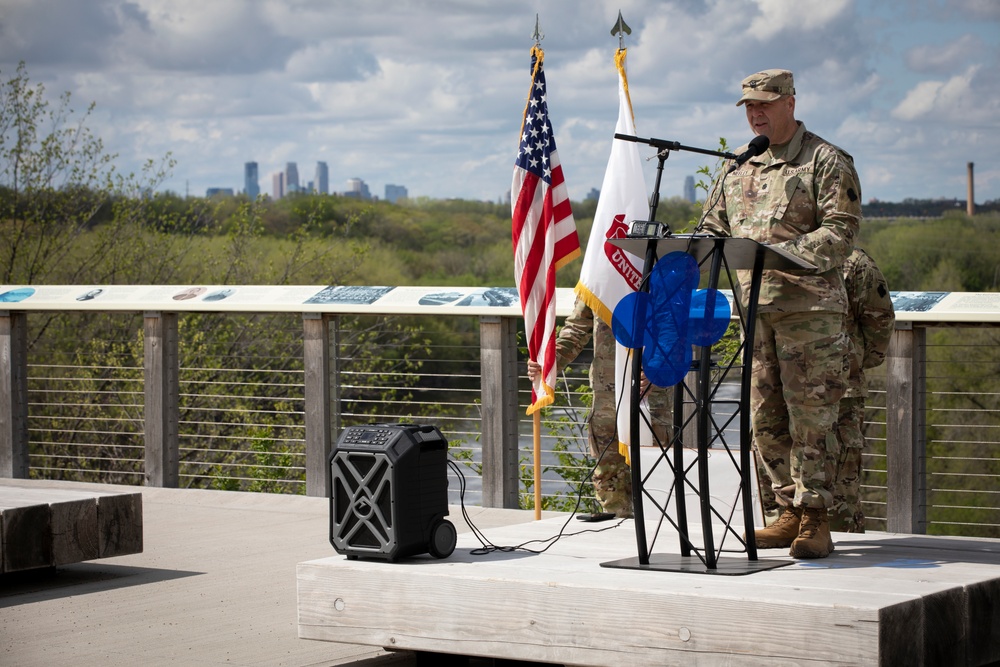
[(714, 255)]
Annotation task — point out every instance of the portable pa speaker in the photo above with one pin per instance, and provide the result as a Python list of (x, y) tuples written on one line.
[(389, 492)]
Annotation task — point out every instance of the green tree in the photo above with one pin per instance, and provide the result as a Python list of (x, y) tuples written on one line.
[(57, 182)]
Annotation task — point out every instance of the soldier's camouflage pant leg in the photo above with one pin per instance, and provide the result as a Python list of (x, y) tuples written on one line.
[(845, 513), (799, 372), (612, 477), (769, 505)]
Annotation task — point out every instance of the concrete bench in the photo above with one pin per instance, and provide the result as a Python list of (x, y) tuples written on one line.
[(47, 527)]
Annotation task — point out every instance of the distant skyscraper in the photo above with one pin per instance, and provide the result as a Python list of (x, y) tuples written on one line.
[(594, 195), (322, 179), (291, 178), (689, 189), (278, 184), (393, 193), (251, 182), (357, 188)]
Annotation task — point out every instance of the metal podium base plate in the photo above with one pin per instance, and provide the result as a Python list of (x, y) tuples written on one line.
[(692, 564)]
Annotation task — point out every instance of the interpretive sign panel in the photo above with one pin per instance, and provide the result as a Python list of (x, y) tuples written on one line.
[(388, 300)]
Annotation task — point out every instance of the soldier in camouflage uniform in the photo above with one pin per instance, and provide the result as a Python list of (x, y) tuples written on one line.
[(870, 321), (801, 195), (612, 478)]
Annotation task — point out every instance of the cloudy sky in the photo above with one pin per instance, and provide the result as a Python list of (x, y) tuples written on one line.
[(429, 93)]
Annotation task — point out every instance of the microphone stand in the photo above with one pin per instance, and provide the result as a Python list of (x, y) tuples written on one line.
[(663, 153), (666, 145)]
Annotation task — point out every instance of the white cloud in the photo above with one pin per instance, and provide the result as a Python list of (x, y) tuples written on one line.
[(221, 37), (963, 99), (920, 101), (780, 16), (987, 10), (331, 60), (945, 58)]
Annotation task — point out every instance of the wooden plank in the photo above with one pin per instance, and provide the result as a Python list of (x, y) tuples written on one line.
[(957, 626), (984, 634), (863, 605), (27, 537), (80, 525), (945, 628), (119, 524), (74, 531), (551, 621), (72, 520)]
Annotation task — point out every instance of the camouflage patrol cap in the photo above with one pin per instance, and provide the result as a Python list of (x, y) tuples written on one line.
[(767, 86)]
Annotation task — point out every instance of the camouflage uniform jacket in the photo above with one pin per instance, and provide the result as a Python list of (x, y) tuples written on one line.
[(804, 197), (574, 335), (870, 317)]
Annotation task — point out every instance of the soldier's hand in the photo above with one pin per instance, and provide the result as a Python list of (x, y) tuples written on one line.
[(534, 370)]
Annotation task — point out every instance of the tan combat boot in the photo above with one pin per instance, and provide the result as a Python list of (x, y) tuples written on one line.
[(782, 532), (814, 539)]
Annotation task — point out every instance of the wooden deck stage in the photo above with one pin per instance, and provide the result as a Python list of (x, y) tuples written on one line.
[(216, 584), (880, 599)]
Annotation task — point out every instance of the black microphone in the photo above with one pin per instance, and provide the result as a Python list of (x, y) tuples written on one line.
[(756, 146)]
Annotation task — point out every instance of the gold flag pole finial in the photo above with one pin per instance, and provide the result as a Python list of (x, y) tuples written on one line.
[(621, 29)]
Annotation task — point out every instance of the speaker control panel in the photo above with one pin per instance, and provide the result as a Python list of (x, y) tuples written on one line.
[(368, 437)]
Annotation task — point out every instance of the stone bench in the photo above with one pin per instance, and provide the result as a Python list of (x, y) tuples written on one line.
[(48, 527)]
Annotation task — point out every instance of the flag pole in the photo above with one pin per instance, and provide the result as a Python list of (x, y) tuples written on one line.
[(545, 239), (536, 418), (537, 435)]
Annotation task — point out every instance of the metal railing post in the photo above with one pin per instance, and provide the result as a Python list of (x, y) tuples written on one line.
[(13, 394), (162, 406), (498, 346), (906, 430)]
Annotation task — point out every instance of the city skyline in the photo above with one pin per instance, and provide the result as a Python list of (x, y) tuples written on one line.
[(433, 96), (286, 181), (355, 186)]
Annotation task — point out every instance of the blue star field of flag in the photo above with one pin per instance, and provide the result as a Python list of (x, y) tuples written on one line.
[(537, 142)]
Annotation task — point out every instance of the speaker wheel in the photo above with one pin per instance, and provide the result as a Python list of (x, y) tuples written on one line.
[(444, 537)]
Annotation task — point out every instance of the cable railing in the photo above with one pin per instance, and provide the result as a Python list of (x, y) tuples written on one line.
[(242, 428), (243, 413)]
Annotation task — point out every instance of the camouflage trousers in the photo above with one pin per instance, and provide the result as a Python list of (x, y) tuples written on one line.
[(800, 367), (612, 477), (768, 502), (845, 513)]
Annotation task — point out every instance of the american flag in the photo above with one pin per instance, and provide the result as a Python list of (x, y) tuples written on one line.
[(544, 232)]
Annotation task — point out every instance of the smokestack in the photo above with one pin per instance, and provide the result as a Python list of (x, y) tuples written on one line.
[(971, 205)]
